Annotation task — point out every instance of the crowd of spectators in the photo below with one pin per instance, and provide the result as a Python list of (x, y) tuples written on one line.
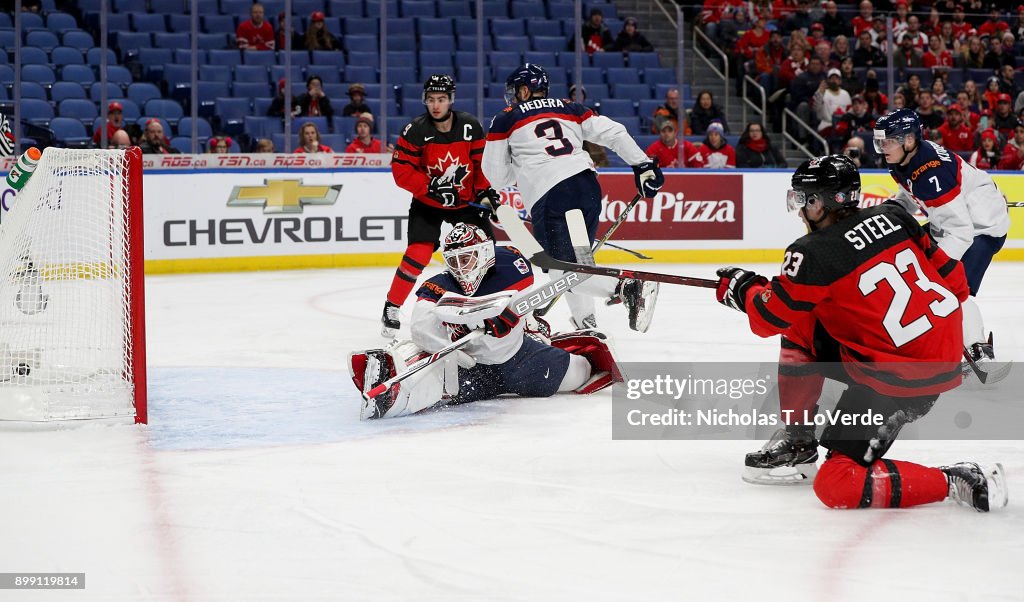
[(828, 68)]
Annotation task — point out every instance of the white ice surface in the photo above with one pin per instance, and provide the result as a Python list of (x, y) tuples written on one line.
[(256, 481)]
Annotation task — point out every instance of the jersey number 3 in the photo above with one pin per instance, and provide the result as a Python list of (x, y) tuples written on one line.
[(892, 273), (552, 130)]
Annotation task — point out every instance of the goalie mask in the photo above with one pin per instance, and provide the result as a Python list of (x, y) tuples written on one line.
[(468, 255)]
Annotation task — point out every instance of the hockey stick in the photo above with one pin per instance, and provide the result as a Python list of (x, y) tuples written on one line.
[(636, 254), (422, 364), (535, 252), (543, 311), (1014, 204)]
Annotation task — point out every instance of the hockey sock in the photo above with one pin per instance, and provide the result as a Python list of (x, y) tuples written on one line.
[(416, 257), (843, 483), (800, 385), (974, 327)]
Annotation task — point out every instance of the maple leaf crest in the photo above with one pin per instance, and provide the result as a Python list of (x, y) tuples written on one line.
[(450, 170)]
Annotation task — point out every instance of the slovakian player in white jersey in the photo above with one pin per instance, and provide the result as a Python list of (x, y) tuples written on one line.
[(967, 214), (537, 144)]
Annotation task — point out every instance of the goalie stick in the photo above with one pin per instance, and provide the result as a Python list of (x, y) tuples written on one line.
[(526, 243), (422, 364), (543, 311)]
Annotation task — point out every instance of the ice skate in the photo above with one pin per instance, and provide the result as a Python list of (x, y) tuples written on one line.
[(640, 297), (982, 364), (975, 486), (588, 322), (390, 325), (784, 460)]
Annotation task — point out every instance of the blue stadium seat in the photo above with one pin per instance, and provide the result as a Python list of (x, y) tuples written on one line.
[(167, 7), (153, 61), (546, 28), (467, 28), (402, 43), (96, 91), (548, 44), (467, 73), (33, 90), (231, 58), (129, 42), (150, 23), (7, 38), (468, 43), (436, 61), (260, 126), (643, 60), (436, 44), (544, 59), (31, 55), (77, 73), (40, 74), (171, 40), (373, 8), (528, 9), (305, 7), (78, 108), (183, 56), (58, 22), (608, 60), (63, 90), (493, 106), (31, 21), (238, 8), (278, 71), (361, 73), (356, 26), (623, 75), (42, 38), (505, 62), (495, 10), (260, 106), (327, 75), (118, 75), (65, 55), (563, 11), (165, 109), (218, 24), (251, 74), (177, 76), (508, 27), (631, 91), (298, 57), (213, 41), (256, 57), (141, 92), (183, 144), (659, 75), (94, 56), (418, 8), (179, 23), (399, 74), (454, 8), (209, 92), (439, 27), (617, 107), (596, 92), (250, 89), (129, 108), (401, 27), (6, 22), (185, 127), (345, 8), (76, 38), (214, 73), (70, 132)]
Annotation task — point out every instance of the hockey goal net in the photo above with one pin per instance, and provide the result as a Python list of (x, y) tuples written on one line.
[(72, 327)]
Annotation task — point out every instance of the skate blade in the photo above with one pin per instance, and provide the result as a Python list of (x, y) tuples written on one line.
[(994, 372), (802, 474)]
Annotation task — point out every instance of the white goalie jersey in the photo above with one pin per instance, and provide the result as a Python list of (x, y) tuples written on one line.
[(538, 143)]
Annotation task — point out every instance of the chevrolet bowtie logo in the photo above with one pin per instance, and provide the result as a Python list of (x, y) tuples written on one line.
[(283, 196)]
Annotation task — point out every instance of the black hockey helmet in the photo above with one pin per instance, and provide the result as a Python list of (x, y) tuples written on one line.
[(439, 82), (533, 76), (832, 179)]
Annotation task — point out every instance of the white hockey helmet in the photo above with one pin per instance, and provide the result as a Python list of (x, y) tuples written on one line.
[(468, 253)]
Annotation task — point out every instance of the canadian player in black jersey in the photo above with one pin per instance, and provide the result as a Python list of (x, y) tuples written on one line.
[(436, 159), (887, 299)]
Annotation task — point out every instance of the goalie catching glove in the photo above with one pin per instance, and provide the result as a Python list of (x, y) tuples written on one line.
[(733, 284), (649, 178), (442, 190)]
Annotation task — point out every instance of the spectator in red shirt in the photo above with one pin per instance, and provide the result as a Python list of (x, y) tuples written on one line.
[(309, 140), (937, 55), (1013, 152), (115, 121), (957, 135), (987, 156), (792, 67), (864, 19), (716, 152), (752, 40), (995, 26), (256, 32), (365, 142), (961, 28), (665, 150), (918, 37)]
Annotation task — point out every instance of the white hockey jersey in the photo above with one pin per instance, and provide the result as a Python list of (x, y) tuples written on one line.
[(960, 200), (538, 143)]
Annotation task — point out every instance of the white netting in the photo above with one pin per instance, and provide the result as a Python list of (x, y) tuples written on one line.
[(65, 328)]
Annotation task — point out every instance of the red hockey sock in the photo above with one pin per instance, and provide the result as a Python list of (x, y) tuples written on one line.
[(799, 388), (843, 483), (416, 257)]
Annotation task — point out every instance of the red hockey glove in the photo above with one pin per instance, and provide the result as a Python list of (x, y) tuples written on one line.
[(733, 284), (501, 325)]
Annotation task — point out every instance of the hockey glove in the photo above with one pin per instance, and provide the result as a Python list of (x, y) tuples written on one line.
[(733, 284), (490, 199), (443, 191), (499, 326), (649, 178)]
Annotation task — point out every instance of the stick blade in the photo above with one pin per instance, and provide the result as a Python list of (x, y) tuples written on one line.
[(516, 230)]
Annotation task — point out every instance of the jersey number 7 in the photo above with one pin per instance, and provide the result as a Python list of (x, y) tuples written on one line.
[(552, 130), (892, 273)]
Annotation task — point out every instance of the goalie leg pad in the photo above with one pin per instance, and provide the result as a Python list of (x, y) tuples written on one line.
[(419, 392), (592, 345)]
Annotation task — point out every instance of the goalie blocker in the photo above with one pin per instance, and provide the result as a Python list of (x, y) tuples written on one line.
[(536, 370)]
